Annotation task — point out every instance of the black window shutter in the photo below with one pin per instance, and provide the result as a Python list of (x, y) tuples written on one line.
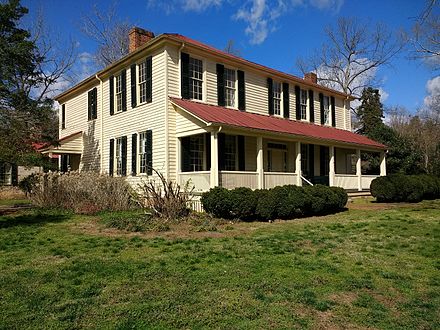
[(184, 75), (333, 110), (298, 103), (149, 75), (133, 85), (208, 150), (321, 105), (311, 160), (241, 153), (221, 148), (95, 103), (14, 174), (124, 155), (89, 105), (63, 116), (133, 154), (311, 106), (241, 91), (220, 84), (124, 89), (149, 151), (111, 157), (270, 95), (286, 103), (186, 154), (112, 94)]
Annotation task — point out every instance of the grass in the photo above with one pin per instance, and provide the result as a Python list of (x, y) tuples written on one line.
[(356, 269), (12, 202)]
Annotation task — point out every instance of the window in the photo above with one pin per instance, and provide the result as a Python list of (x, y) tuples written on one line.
[(118, 83), (326, 110), (276, 157), (305, 159), (277, 98), (63, 116), (5, 174), (303, 104), (230, 154), (196, 148), (92, 104), (119, 156), (230, 87), (196, 78), (143, 165), (142, 69)]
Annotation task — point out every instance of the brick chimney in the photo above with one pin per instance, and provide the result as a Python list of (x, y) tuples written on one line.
[(138, 37), (311, 76)]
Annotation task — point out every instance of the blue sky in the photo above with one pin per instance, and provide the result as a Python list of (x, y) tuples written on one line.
[(273, 33)]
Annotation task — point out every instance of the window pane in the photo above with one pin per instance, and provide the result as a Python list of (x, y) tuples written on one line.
[(230, 152), (276, 98), (118, 157), (142, 83), (303, 102), (143, 152), (196, 147), (118, 83), (196, 78), (230, 87)]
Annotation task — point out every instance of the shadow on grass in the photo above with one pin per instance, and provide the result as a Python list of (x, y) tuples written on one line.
[(37, 218)]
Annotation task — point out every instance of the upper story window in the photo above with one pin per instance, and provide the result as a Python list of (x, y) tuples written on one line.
[(326, 113), (63, 116), (277, 98), (142, 68), (303, 104), (92, 106), (230, 88), (196, 78), (118, 94)]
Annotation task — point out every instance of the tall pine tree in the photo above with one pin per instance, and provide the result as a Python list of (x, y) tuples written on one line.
[(370, 112)]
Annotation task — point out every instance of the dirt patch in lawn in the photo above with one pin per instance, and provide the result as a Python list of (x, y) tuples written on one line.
[(176, 231)]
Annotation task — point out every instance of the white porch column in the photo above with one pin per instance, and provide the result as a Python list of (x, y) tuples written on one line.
[(383, 164), (214, 160), (298, 163), (260, 162), (359, 169), (331, 166)]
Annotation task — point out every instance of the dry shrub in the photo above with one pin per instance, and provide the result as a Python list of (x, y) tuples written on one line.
[(165, 199), (9, 192), (82, 192)]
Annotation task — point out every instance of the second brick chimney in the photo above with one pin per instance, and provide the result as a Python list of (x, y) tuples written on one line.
[(311, 76), (138, 37)]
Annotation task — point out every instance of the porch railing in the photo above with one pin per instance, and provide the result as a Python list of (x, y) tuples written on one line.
[(346, 181), (234, 179), (200, 180), (273, 179)]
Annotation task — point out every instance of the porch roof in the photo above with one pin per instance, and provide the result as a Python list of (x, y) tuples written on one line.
[(211, 114), (70, 144)]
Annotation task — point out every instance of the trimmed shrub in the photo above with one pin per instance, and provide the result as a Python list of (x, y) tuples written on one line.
[(405, 188), (243, 203), (217, 201), (283, 202)]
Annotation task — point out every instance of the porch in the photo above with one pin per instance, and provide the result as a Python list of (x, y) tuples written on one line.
[(232, 160)]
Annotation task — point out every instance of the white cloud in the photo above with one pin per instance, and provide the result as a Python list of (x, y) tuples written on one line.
[(383, 95), (433, 90), (335, 5), (200, 5)]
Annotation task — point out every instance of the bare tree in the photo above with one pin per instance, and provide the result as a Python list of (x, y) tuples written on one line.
[(231, 48), (108, 31), (351, 54), (426, 35)]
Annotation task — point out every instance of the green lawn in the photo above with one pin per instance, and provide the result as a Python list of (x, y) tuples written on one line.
[(357, 269)]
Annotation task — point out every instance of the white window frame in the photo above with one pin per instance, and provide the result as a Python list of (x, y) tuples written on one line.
[(191, 79), (326, 112), (118, 95), (118, 156), (141, 153), (234, 104), (197, 155), (277, 97), (140, 83), (304, 104)]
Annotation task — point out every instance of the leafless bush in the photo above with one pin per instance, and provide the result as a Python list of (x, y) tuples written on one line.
[(82, 192), (165, 199), (9, 192)]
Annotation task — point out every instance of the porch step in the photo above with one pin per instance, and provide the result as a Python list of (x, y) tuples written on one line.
[(355, 193)]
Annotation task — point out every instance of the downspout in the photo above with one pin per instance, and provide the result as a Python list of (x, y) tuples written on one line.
[(167, 131), (101, 145)]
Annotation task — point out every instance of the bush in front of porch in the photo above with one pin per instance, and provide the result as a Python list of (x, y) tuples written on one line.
[(283, 202)]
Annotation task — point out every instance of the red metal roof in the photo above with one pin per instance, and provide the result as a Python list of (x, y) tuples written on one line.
[(224, 116)]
